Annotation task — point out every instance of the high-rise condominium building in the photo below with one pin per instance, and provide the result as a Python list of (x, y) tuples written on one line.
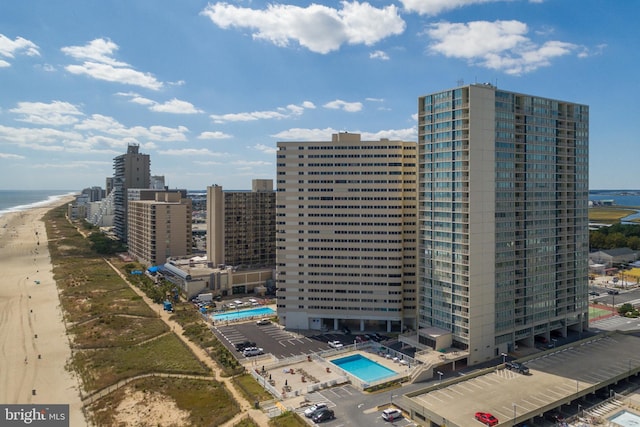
[(131, 170), (241, 225), (346, 233), (503, 224), (159, 226)]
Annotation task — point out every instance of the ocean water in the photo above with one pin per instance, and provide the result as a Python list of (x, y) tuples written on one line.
[(19, 200), (619, 197)]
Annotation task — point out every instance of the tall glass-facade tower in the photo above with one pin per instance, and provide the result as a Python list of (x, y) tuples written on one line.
[(503, 222)]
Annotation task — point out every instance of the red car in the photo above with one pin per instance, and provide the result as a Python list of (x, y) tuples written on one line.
[(486, 418)]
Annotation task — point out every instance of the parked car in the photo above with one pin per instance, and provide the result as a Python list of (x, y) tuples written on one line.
[(554, 416), (391, 414), (518, 367), (263, 322), (242, 345), (313, 409), (323, 414), (252, 351), (378, 337), (335, 344), (486, 418)]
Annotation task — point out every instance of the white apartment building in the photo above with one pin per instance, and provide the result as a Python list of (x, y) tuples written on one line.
[(346, 233), (503, 221)]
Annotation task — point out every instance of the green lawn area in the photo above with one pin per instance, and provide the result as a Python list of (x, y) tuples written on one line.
[(595, 312)]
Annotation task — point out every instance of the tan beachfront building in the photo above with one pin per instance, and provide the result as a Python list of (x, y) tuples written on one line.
[(160, 227), (346, 233)]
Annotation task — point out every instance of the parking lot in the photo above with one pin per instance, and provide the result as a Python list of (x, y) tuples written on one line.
[(273, 339), (350, 409)]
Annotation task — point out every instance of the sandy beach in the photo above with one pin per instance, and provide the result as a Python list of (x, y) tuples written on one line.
[(33, 343)]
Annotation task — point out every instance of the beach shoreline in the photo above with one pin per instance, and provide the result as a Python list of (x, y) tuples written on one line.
[(33, 338)]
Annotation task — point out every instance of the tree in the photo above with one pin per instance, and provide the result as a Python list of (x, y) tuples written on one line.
[(627, 310)]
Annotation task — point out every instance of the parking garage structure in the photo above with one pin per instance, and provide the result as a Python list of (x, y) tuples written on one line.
[(560, 378)]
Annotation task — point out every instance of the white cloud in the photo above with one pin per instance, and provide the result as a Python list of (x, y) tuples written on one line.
[(280, 113), (434, 7), (38, 138), (408, 134), (379, 54), (9, 48), (110, 126), (99, 64), (11, 156), (299, 134), (176, 106), (214, 135), (338, 104), (319, 28), (265, 148), (56, 113), (499, 45), (248, 163), (98, 50), (190, 152)]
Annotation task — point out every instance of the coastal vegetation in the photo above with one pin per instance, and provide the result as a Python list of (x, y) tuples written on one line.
[(117, 339), (609, 214), (615, 236)]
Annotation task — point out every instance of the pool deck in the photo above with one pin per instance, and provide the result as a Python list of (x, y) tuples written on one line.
[(293, 387)]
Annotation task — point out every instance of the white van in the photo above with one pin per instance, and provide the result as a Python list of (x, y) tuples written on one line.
[(391, 414)]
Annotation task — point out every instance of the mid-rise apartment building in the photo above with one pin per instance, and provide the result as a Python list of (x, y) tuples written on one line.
[(346, 233), (503, 221), (241, 225), (159, 227)]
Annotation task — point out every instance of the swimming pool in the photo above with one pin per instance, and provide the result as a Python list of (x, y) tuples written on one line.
[(243, 314), (625, 419), (363, 368)]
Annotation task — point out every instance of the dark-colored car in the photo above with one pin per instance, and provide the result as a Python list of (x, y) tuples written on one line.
[(378, 337), (554, 416), (242, 345), (518, 367), (486, 418), (613, 292), (594, 294), (323, 414)]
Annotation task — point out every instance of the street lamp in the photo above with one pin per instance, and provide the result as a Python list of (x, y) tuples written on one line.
[(554, 342), (504, 357), (440, 374), (392, 396), (514, 414), (579, 409)]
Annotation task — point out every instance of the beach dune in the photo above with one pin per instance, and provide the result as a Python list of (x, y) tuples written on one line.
[(34, 347)]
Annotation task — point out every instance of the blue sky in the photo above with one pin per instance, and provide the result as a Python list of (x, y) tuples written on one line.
[(207, 89)]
